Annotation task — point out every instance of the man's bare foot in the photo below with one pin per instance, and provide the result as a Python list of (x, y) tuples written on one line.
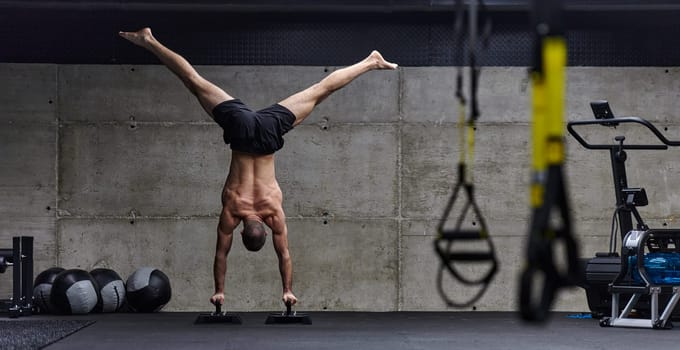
[(380, 61), (140, 37)]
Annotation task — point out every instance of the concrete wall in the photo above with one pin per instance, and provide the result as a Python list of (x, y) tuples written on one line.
[(118, 167)]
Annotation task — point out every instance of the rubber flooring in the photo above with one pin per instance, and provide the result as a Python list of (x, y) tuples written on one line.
[(359, 330)]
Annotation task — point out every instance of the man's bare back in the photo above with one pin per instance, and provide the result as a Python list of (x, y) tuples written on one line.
[(251, 189)]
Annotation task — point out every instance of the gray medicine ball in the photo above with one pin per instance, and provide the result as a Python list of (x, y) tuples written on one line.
[(148, 290), (74, 291), (42, 287), (111, 290)]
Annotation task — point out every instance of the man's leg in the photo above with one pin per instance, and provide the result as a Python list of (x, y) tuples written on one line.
[(303, 102), (207, 93)]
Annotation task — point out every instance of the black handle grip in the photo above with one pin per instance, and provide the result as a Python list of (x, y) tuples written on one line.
[(471, 256), (469, 235), (288, 309)]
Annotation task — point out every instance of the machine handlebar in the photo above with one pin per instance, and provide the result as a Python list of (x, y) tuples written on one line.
[(620, 120)]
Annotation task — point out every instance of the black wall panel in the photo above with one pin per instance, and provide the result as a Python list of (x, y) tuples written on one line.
[(411, 38)]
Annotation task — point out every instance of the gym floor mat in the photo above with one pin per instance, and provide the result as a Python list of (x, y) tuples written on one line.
[(361, 330), (36, 334)]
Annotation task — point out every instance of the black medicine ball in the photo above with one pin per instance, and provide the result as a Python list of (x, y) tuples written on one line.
[(111, 290), (74, 292), (148, 290), (42, 287)]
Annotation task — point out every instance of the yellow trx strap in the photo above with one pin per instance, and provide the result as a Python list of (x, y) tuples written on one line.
[(548, 195), (548, 119)]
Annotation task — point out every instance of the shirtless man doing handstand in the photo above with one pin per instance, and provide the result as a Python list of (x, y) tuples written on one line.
[(251, 194)]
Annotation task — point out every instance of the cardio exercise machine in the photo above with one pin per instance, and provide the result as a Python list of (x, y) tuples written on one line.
[(619, 287)]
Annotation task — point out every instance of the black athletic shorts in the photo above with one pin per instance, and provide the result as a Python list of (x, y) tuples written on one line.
[(258, 132)]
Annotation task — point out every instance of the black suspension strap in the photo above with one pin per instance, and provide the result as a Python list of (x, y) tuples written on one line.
[(444, 242), (550, 219)]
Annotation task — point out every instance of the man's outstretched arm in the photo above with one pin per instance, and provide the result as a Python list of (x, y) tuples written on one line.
[(225, 236), (280, 239)]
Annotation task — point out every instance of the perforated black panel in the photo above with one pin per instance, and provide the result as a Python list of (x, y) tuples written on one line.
[(250, 38), (625, 39)]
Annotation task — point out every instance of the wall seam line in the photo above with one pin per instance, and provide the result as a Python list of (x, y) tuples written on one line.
[(399, 190), (57, 113)]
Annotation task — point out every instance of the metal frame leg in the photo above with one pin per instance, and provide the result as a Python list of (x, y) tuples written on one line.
[(630, 305), (654, 321), (16, 278), (27, 274), (654, 304), (22, 268)]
